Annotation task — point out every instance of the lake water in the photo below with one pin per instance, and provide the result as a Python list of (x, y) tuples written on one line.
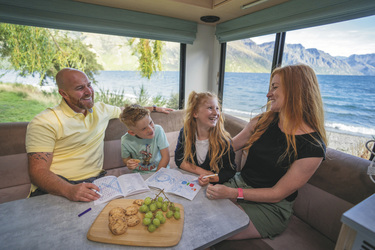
[(349, 101)]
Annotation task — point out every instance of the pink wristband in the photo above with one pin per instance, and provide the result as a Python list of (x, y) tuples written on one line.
[(240, 194)]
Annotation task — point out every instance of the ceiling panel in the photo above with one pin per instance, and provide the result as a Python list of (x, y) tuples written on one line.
[(191, 10)]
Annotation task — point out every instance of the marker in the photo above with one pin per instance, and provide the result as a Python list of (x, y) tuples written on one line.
[(84, 212), (207, 176), (96, 191), (211, 175)]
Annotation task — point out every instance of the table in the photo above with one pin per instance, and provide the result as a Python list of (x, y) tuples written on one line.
[(52, 222), (358, 228)]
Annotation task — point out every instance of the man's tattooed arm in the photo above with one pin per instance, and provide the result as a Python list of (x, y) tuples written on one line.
[(45, 156)]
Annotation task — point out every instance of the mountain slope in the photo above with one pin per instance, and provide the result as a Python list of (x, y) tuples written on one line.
[(246, 51), (245, 55)]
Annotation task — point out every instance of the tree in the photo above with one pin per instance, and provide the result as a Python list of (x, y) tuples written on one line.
[(34, 50), (149, 54)]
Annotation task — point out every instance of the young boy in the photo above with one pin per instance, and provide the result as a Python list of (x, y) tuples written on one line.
[(144, 147)]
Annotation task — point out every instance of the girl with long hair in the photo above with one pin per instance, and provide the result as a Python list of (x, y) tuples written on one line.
[(285, 145), (204, 146)]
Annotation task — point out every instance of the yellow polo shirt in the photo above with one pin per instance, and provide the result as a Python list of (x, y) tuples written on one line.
[(76, 140)]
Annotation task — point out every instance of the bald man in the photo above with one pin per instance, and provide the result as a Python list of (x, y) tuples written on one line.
[(65, 143)]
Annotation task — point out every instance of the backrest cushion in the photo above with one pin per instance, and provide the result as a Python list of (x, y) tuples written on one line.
[(171, 123), (14, 177), (344, 176)]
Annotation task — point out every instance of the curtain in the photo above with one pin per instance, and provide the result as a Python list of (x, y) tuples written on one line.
[(292, 15), (77, 16)]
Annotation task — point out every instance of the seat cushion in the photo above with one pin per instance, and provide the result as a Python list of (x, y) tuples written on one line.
[(321, 210), (298, 235)]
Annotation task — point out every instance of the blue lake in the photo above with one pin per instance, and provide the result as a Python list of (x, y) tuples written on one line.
[(349, 101)]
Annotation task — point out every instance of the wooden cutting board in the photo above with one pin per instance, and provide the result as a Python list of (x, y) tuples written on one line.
[(168, 234)]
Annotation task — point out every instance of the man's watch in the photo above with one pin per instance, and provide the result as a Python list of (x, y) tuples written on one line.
[(153, 108), (240, 194)]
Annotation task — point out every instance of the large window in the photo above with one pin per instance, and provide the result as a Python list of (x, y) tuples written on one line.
[(247, 73), (117, 78), (342, 55)]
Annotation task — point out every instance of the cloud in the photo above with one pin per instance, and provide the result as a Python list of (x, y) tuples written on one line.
[(339, 39)]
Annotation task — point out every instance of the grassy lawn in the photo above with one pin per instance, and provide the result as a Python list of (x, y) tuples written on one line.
[(21, 104)]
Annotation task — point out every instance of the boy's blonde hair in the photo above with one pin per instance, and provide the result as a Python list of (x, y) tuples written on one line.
[(132, 114), (219, 138)]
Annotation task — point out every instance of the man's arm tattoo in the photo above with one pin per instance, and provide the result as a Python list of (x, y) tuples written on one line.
[(40, 156)]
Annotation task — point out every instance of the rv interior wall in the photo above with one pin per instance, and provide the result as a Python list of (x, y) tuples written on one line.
[(202, 62)]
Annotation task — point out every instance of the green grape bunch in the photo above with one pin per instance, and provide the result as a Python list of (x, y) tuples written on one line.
[(153, 210)]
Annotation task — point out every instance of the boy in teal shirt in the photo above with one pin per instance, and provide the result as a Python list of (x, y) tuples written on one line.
[(144, 147)]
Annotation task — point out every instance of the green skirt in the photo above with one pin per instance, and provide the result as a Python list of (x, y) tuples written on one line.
[(270, 219)]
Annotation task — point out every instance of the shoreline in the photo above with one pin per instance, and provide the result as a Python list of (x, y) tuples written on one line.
[(344, 142), (347, 143)]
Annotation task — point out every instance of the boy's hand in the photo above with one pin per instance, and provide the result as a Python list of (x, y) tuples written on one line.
[(132, 163)]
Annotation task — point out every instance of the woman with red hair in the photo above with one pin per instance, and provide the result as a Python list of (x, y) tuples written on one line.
[(285, 145)]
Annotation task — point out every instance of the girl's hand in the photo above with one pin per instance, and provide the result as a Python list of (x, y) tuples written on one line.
[(203, 182), (219, 191), (132, 163)]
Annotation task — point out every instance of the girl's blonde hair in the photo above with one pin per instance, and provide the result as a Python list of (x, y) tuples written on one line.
[(302, 104), (219, 138)]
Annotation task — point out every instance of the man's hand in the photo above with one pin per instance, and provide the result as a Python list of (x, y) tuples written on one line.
[(41, 176), (82, 192), (163, 110)]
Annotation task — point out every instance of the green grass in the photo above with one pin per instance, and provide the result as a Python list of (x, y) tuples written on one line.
[(15, 107), (20, 103)]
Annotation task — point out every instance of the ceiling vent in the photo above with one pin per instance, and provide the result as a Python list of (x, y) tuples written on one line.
[(210, 19)]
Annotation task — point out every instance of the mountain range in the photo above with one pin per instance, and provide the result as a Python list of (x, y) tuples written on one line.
[(247, 56), (242, 56)]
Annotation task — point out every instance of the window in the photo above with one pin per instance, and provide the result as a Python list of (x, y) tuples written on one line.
[(117, 81), (247, 73), (343, 56)]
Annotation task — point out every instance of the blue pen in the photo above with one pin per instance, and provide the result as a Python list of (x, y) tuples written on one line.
[(87, 210)]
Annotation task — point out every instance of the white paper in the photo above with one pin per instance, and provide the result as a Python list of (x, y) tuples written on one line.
[(132, 184), (174, 182), (112, 187)]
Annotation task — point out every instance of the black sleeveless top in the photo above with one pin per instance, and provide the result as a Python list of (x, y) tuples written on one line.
[(263, 168)]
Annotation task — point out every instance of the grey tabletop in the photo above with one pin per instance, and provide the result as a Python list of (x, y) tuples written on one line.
[(52, 222), (362, 217)]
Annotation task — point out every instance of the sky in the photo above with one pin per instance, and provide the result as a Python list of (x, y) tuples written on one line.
[(356, 36)]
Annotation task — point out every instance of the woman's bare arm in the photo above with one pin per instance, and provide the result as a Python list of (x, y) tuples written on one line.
[(297, 176)]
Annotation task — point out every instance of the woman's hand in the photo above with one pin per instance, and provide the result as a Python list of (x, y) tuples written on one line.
[(219, 191)]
